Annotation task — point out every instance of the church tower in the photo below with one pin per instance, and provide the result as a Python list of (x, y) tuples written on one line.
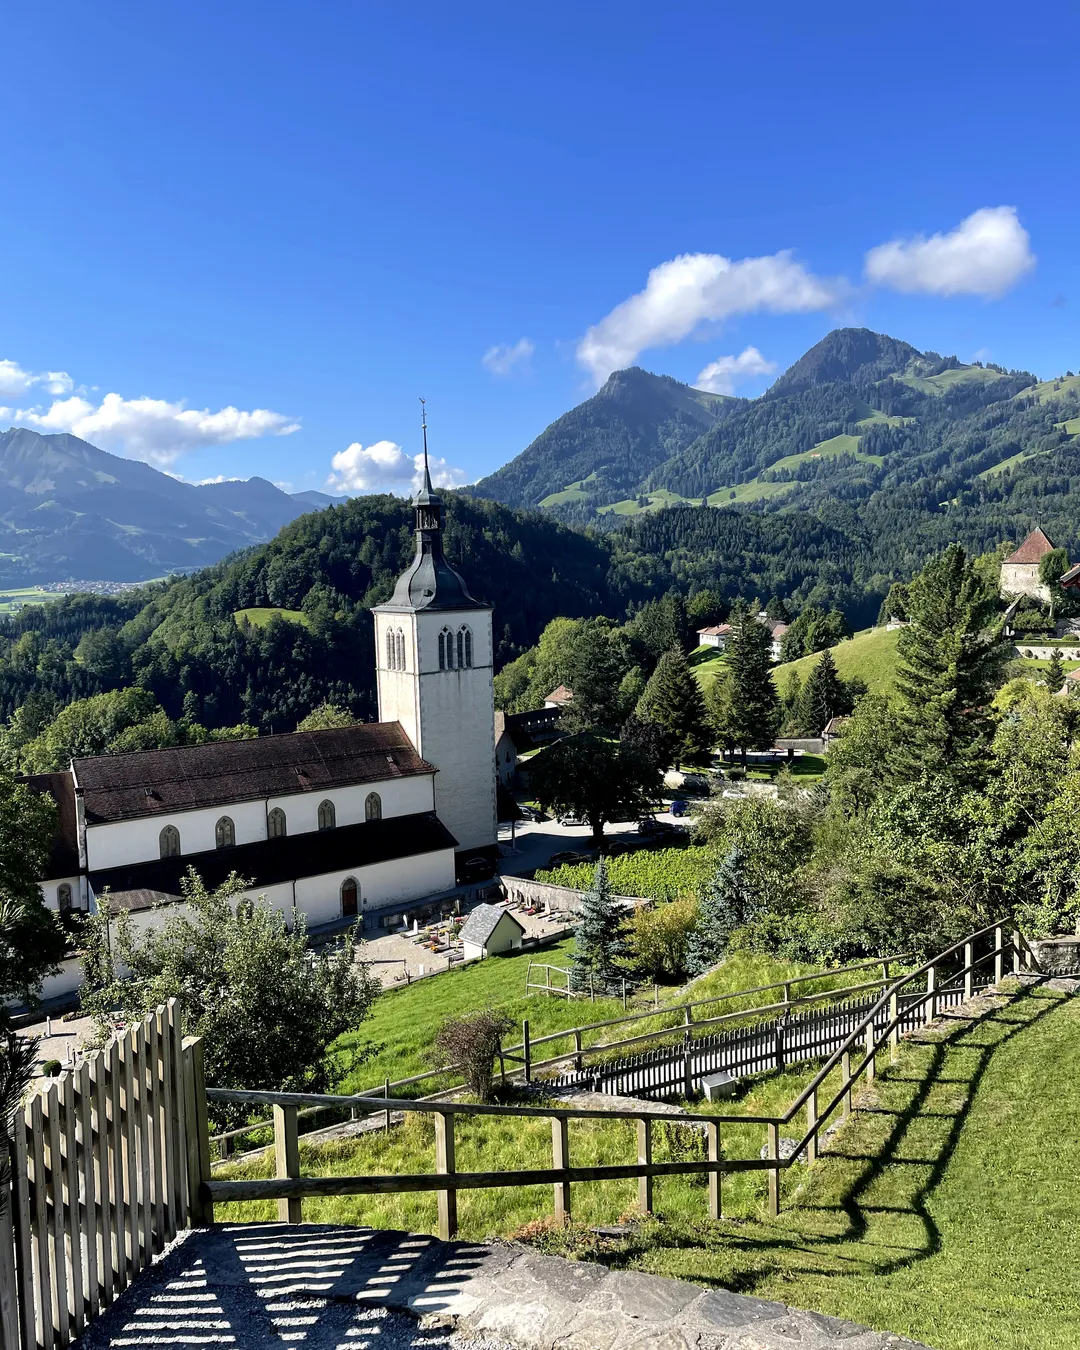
[(433, 656)]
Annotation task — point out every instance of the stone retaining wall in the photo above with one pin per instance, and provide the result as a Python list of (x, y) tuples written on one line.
[(1057, 956), (554, 899)]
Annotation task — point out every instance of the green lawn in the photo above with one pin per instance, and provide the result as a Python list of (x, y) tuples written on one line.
[(259, 616), (938, 384), (573, 492), (749, 492), (657, 501), (1013, 462), (1047, 391), (706, 663), (870, 654)]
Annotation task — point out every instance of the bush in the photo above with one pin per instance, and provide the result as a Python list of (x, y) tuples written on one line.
[(658, 938), (51, 1068), (663, 874), (472, 1042)]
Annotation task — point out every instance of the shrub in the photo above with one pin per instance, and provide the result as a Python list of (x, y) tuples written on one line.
[(472, 1042), (658, 938), (51, 1068)]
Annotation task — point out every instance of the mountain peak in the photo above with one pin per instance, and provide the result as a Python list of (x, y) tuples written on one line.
[(846, 354)]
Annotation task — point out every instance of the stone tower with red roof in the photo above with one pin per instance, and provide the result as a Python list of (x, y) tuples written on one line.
[(1020, 570)]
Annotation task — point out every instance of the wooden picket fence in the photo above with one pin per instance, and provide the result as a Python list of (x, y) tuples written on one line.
[(101, 1166)]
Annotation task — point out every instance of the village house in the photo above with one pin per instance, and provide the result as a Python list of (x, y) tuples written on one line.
[(719, 635), (488, 930)]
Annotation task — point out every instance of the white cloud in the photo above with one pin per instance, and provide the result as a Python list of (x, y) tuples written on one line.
[(385, 465), (218, 478), (696, 288), (721, 376), (151, 429), (985, 255), (506, 360), (17, 383)]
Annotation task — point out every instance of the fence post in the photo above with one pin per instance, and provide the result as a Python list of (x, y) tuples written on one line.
[(386, 1093), (930, 1006), (444, 1165), (527, 1055), (560, 1157), (624, 995), (644, 1156), (811, 1126), (1016, 963), (999, 954), (845, 1073), (577, 1048), (197, 1132), (774, 1171), (287, 1159), (871, 1067), (9, 1299), (969, 974), (894, 1034), (712, 1130)]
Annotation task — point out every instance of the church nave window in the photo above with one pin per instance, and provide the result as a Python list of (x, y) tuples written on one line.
[(169, 842), (327, 815), (275, 824), (224, 833), (373, 807)]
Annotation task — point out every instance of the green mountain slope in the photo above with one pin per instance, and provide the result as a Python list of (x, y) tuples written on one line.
[(602, 449)]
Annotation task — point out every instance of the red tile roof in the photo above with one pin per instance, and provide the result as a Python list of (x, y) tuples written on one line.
[(560, 695), (1034, 548)]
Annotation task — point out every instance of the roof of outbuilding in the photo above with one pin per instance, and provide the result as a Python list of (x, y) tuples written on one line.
[(186, 777), (1035, 547), (483, 921), (268, 862), (560, 695), (64, 852)]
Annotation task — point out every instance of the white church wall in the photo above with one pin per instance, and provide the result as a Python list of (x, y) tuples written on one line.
[(379, 885), (131, 841), (51, 891)]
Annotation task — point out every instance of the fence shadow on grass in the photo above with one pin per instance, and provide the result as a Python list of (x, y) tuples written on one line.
[(793, 1246)]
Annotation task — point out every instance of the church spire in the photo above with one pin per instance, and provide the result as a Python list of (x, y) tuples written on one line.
[(427, 502)]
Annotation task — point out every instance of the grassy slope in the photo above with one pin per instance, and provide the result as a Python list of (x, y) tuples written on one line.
[(938, 384), (706, 663), (259, 617), (870, 654), (945, 1212)]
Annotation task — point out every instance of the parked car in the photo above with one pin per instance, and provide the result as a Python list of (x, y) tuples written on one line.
[(680, 809), (571, 857), (572, 820)]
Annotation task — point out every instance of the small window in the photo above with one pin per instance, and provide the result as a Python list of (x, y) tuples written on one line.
[(373, 807), (275, 824), (63, 897), (169, 842), (327, 815), (349, 896), (399, 647), (225, 833), (468, 646), (389, 649), (446, 650)]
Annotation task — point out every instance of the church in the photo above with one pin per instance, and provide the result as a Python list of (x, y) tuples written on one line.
[(364, 820)]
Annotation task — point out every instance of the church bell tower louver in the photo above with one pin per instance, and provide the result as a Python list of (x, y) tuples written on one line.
[(433, 656)]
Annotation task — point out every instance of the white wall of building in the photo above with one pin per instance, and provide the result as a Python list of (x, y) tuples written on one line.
[(50, 890), (506, 936), (1023, 579), (132, 841), (449, 715)]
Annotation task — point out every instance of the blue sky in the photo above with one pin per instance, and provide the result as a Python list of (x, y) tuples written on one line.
[(241, 238)]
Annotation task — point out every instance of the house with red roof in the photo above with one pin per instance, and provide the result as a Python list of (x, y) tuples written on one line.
[(1020, 570)]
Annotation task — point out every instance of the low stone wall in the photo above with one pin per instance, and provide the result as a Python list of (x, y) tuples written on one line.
[(1040, 653), (554, 899), (1057, 956)]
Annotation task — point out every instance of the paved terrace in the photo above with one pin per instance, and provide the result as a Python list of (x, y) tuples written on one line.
[(253, 1287)]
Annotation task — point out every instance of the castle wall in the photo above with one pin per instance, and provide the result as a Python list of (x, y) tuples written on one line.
[(1023, 579)]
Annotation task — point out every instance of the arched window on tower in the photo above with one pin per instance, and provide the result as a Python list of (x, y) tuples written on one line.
[(389, 649), (169, 842), (465, 646), (327, 815), (446, 650), (275, 824), (63, 897), (373, 807), (399, 649), (224, 833)]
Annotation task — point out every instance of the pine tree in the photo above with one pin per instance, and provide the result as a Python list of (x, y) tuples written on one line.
[(1055, 676), (755, 704), (726, 904), (951, 656), (674, 703), (599, 941), (823, 696), (595, 675)]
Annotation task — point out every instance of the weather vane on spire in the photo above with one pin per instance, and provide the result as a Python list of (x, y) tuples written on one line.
[(423, 425)]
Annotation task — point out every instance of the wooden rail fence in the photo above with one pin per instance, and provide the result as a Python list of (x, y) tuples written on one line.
[(909, 1001)]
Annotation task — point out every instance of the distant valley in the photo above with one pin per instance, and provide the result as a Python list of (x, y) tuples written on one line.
[(69, 511)]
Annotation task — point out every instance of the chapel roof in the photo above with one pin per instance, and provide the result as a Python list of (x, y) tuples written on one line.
[(186, 777), (268, 862), (1034, 548), (483, 921)]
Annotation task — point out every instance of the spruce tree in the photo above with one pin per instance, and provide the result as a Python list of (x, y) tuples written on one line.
[(823, 696), (1055, 676), (727, 903), (599, 941), (755, 704), (673, 702), (951, 656)]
